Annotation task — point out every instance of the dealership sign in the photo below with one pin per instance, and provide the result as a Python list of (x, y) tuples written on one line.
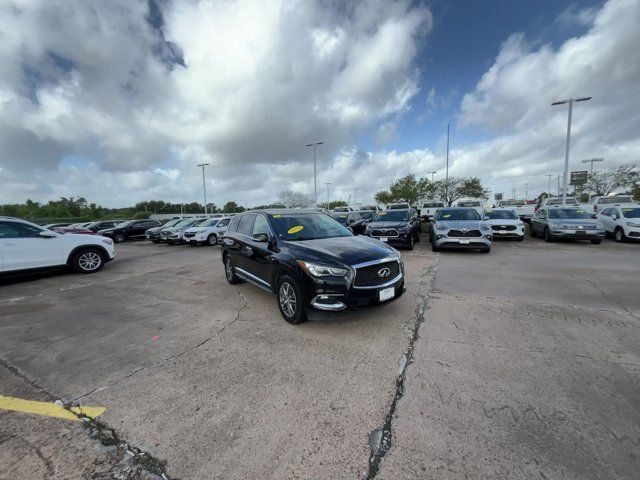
[(579, 178)]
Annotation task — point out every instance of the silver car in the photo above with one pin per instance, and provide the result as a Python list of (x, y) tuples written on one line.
[(553, 223), (460, 227)]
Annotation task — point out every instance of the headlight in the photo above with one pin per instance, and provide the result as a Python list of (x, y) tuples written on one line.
[(440, 226), (485, 227), (107, 241), (631, 224), (402, 229), (521, 224), (322, 270), (600, 226)]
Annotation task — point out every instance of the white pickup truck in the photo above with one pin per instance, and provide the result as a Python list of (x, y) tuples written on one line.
[(524, 210)]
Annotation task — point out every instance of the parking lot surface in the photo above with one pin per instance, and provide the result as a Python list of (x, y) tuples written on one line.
[(523, 363)]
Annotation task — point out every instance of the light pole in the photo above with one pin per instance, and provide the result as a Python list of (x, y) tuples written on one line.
[(328, 184), (432, 175), (446, 178), (592, 161), (526, 192), (513, 194), (355, 197), (570, 101), (315, 170), (204, 185), (558, 175), (549, 175)]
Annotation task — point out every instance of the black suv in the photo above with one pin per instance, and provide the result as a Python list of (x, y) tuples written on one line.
[(310, 261), (351, 220), (129, 230), (396, 227)]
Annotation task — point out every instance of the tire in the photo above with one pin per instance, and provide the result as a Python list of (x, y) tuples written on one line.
[(229, 272), (119, 238), (411, 243), (155, 241), (547, 235), (520, 239), (212, 240), (485, 250), (434, 248), (596, 241), (87, 260), (418, 236), (290, 301), (532, 232), (619, 235)]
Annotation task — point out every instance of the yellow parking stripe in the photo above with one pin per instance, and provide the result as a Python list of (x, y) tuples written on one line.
[(47, 408)]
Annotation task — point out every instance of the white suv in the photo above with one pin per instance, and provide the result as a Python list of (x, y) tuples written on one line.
[(26, 246), (208, 231), (621, 221)]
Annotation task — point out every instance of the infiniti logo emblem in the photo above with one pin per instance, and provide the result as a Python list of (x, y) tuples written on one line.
[(384, 272)]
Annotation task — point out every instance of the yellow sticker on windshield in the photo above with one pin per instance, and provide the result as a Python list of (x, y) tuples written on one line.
[(277, 215), (581, 211), (628, 209), (382, 213), (446, 215), (488, 211), (295, 229), (343, 216)]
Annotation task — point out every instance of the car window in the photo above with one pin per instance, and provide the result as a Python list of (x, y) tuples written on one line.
[(224, 222), (18, 230), (617, 199), (233, 224), (341, 218), (469, 204), (568, 213), (453, 214), (393, 216), (606, 212), (366, 215), (631, 212), (433, 205), (260, 225), (501, 214), (245, 226), (307, 226)]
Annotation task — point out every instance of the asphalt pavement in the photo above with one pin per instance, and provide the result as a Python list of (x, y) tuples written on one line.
[(523, 363)]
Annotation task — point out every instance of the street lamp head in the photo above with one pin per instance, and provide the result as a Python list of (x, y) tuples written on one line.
[(561, 102), (312, 144), (582, 99)]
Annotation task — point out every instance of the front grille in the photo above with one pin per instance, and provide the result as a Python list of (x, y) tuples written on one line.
[(384, 232), (368, 276), (462, 234), (189, 235), (503, 227)]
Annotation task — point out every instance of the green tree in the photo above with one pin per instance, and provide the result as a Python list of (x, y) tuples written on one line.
[(407, 189), (141, 214), (460, 187), (232, 207)]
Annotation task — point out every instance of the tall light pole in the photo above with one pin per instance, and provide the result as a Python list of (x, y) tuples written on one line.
[(570, 101), (513, 194), (558, 175), (315, 170), (446, 178), (355, 196), (592, 161), (328, 184), (204, 186), (432, 175), (526, 192)]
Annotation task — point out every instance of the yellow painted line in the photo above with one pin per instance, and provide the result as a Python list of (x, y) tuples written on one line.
[(47, 408)]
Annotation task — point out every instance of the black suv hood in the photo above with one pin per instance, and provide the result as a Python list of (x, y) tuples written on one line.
[(387, 224), (345, 250)]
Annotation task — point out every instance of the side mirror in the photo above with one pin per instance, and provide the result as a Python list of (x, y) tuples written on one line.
[(486, 218), (47, 234), (350, 229), (614, 216), (261, 237)]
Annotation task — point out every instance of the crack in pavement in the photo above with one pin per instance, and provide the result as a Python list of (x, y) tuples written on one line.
[(604, 295), (380, 439), (101, 432), (172, 357)]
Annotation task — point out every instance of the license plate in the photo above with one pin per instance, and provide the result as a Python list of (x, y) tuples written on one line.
[(464, 242), (387, 293), (502, 232), (383, 239), (580, 232)]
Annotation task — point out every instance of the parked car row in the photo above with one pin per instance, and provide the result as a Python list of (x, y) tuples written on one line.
[(193, 231)]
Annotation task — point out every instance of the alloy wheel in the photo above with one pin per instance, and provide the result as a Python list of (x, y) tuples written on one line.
[(619, 235), (287, 299), (228, 268), (89, 261)]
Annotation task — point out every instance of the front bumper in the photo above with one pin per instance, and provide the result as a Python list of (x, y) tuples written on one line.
[(197, 238), (442, 241), (338, 298), (578, 234), (403, 239), (517, 233), (632, 232)]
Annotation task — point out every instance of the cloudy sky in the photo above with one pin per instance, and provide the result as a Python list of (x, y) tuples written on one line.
[(119, 101)]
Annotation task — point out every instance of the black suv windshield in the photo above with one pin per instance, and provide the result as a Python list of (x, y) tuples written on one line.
[(501, 214), (393, 216), (307, 226), (367, 215), (466, 214), (124, 224), (568, 213)]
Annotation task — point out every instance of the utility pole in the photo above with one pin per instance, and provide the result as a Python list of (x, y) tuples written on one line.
[(328, 203), (513, 194), (204, 186), (432, 175), (570, 101), (592, 161), (526, 192), (355, 197), (446, 178), (315, 170), (558, 175), (549, 175)]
